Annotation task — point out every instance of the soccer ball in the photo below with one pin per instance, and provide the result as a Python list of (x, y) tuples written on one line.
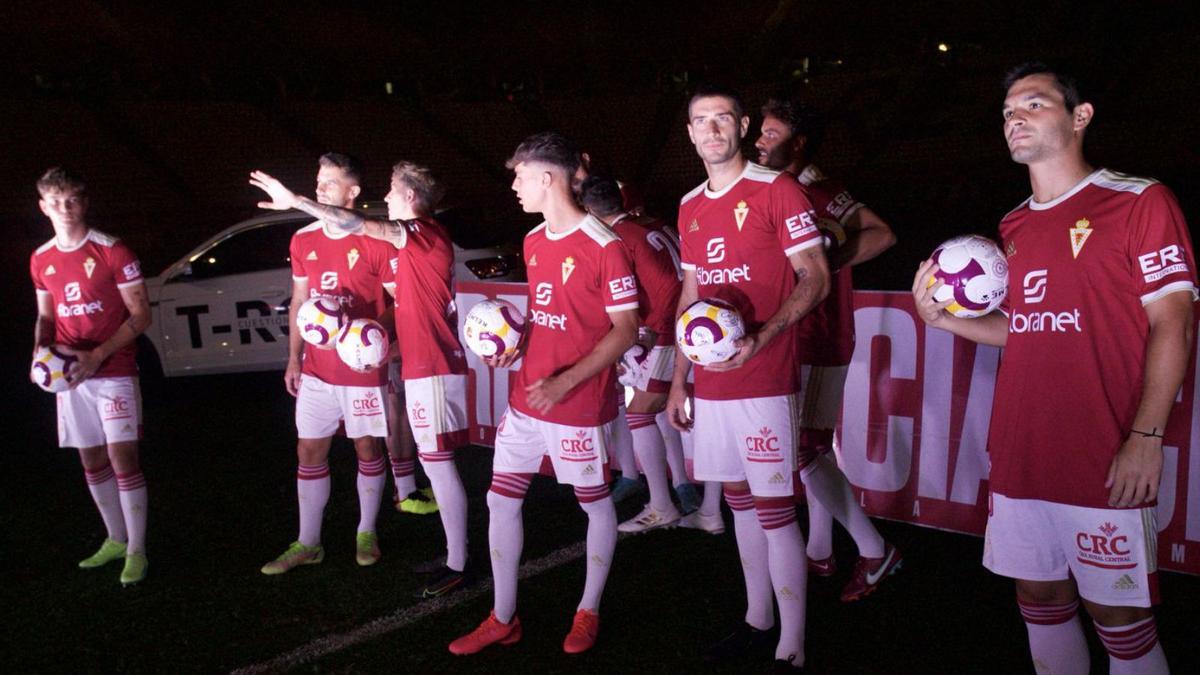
[(707, 331), (974, 274), (363, 345), (319, 320), (493, 328), (833, 237), (50, 367)]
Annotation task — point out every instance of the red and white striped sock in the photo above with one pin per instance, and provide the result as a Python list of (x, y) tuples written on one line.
[(312, 493), (452, 504), (1133, 649), (601, 542), (789, 572), (102, 483), (506, 538), (371, 477), (652, 454), (752, 549), (404, 473), (1056, 639), (132, 488)]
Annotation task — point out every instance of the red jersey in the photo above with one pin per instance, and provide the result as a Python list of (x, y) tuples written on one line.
[(1081, 269), (85, 282), (575, 279), (827, 332), (352, 268), (737, 241), (655, 254), (426, 317)]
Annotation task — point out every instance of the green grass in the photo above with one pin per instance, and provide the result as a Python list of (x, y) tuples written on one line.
[(219, 460)]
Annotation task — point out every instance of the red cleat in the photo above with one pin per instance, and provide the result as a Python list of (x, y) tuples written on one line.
[(870, 572), (490, 632), (825, 567), (583, 633)]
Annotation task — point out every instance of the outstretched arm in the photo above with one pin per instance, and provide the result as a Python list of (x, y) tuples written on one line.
[(348, 220)]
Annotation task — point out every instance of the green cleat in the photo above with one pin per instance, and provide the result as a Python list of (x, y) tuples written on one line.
[(420, 503), (109, 551), (296, 554), (367, 552), (135, 569)]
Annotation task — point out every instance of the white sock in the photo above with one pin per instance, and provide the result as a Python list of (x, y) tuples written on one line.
[(1056, 639), (405, 476), (370, 482), (312, 493), (601, 542), (506, 538), (652, 453), (132, 489), (674, 445), (103, 486), (1133, 649), (752, 549), (789, 573), (711, 504), (824, 482), (452, 504)]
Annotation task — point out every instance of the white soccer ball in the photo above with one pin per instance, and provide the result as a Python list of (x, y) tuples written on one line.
[(493, 328), (707, 330), (974, 274), (319, 321), (50, 367), (363, 345)]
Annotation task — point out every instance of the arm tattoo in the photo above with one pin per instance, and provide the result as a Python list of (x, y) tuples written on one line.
[(344, 219)]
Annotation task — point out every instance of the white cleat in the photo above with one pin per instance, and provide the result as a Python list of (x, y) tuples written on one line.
[(712, 524), (650, 519)]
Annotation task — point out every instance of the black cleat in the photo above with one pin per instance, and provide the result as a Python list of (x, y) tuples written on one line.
[(745, 640), (444, 581)]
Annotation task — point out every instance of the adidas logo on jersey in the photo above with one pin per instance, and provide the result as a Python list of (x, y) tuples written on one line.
[(1125, 583), (50, 270), (532, 261), (312, 255)]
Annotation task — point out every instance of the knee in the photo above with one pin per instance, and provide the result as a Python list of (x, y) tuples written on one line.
[(124, 457), (1046, 592), (1111, 616), (93, 459)]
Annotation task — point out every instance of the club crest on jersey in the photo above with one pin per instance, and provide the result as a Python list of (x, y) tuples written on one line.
[(1011, 249), (89, 266), (312, 255), (740, 213), (532, 260), (693, 227), (352, 258), (568, 266), (1079, 236), (50, 270)]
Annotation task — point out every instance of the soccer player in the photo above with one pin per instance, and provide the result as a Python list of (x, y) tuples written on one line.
[(655, 254), (434, 367), (583, 302), (791, 136), (749, 237), (91, 298), (1101, 278), (402, 448), (354, 269)]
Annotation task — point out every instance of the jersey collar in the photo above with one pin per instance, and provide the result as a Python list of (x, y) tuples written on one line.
[(1042, 206)]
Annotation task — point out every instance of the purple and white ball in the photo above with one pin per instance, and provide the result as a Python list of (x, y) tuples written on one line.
[(708, 330), (493, 328), (320, 320), (363, 345), (974, 275), (50, 367)]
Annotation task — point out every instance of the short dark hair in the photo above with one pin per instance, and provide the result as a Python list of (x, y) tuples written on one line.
[(711, 90), (60, 179), (801, 119), (601, 195), (1064, 81), (349, 165), (549, 147)]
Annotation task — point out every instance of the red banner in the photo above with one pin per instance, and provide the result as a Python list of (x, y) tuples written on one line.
[(913, 438)]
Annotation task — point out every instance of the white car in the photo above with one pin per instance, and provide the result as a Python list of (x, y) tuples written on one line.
[(223, 307)]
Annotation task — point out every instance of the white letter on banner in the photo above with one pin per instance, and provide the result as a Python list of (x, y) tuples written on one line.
[(491, 386), (892, 474), (936, 384), (972, 465)]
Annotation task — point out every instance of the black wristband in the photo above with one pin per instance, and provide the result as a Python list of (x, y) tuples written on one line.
[(1150, 434)]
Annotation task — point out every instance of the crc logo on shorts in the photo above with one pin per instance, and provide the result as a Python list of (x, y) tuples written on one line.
[(1106, 550), (368, 405), (420, 416), (117, 409), (1035, 286), (581, 448), (1162, 263), (764, 447), (329, 281), (542, 295), (715, 251), (72, 292)]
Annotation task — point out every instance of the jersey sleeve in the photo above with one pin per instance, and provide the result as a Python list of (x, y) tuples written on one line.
[(793, 216), (687, 258), (1163, 261), (840, 204), (618, 284), (294, 252), (127, 269), (39, 286)]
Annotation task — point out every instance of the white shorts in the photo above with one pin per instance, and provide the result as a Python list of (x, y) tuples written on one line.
[(1111, 553), (437, 411), (101, 410), (821, 398), (579, 455), (654, 373), (320, 406), (751, 439)]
